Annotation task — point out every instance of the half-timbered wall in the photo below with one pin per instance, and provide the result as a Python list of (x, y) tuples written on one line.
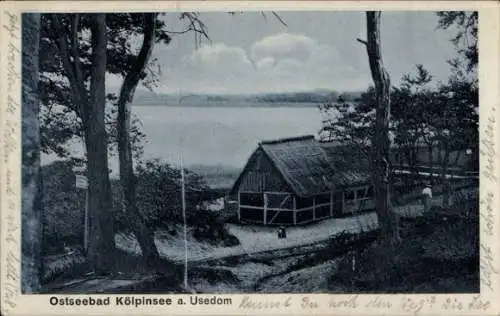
[(273, 208), (358, 199), (265, 198)]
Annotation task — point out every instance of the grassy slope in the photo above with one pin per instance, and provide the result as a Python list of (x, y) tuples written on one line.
[(439, 253)]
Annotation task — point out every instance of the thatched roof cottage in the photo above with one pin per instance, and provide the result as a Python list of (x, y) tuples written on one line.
[(300, 180)]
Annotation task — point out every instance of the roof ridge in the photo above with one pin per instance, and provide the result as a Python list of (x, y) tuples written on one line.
[(286, 139)]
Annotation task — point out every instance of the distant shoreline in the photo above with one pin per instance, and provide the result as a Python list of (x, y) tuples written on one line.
[(266, 100), (254, 105)]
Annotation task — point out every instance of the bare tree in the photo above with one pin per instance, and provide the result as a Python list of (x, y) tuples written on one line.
[(31, 200), (144, 234), (388, 220)]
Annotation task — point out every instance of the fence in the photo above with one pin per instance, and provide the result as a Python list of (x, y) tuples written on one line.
[(275, 208)]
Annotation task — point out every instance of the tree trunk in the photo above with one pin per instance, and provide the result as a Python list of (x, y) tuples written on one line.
[(387, 219), (31, 176), (101, 241), (458, 154), (144, 234), (409, 153), (445, 157), (414, 162), (430, 158), (91, 107)]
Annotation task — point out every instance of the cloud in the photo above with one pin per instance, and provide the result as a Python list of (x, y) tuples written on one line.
[(218, 57), (283, 45), (279, 62), (265, 63), (289, 67), (298, 62), (215, 68)]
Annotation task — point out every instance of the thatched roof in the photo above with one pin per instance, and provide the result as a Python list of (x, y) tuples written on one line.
[(302, 162), (351, 163), (307, 167)]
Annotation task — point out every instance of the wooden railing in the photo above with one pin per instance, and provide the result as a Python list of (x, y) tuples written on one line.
[(312, 209)]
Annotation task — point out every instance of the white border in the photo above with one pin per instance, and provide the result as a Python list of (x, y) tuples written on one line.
[(489, 71)]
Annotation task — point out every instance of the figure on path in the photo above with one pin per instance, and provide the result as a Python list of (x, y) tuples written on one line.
[(427, 198)]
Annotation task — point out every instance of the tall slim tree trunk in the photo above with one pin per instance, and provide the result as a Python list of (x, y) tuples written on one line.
[(445, 158), (430, 157), (144, 234), (408, 153), (31, 176), (387, 219), (414, 161), (101, 243)]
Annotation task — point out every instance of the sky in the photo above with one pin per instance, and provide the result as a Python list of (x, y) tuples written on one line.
[(254, 53)]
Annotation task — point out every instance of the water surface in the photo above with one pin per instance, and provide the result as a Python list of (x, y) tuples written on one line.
[(214, 136)]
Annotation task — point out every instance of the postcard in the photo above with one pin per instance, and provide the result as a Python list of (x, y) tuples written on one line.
[(272, 158)]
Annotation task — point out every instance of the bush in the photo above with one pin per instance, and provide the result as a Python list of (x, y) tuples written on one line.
[(159, 192), (68, 265), (63, 208), (209, 227), (442, 246)]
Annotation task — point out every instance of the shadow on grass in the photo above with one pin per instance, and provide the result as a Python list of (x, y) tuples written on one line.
[(337, 246), (163, 276), (438, 253)]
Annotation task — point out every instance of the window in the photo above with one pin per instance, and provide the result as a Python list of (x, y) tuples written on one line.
[(349, 195)]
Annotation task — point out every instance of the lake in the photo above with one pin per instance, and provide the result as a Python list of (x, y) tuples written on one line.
[(222, 136)]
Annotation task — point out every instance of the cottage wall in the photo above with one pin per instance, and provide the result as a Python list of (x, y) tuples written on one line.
[(262, 176), (265, 197)]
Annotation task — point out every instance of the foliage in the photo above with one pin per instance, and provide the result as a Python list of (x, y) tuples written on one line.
[(63, 208), (158, 200), (447, 238), (159, 193), (345, 122), (66, 266), (60, 119), (443, 117), (209, 227), (466, 37), (421, 115)]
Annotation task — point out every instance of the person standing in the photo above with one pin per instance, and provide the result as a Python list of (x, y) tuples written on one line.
[(427, 198)]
